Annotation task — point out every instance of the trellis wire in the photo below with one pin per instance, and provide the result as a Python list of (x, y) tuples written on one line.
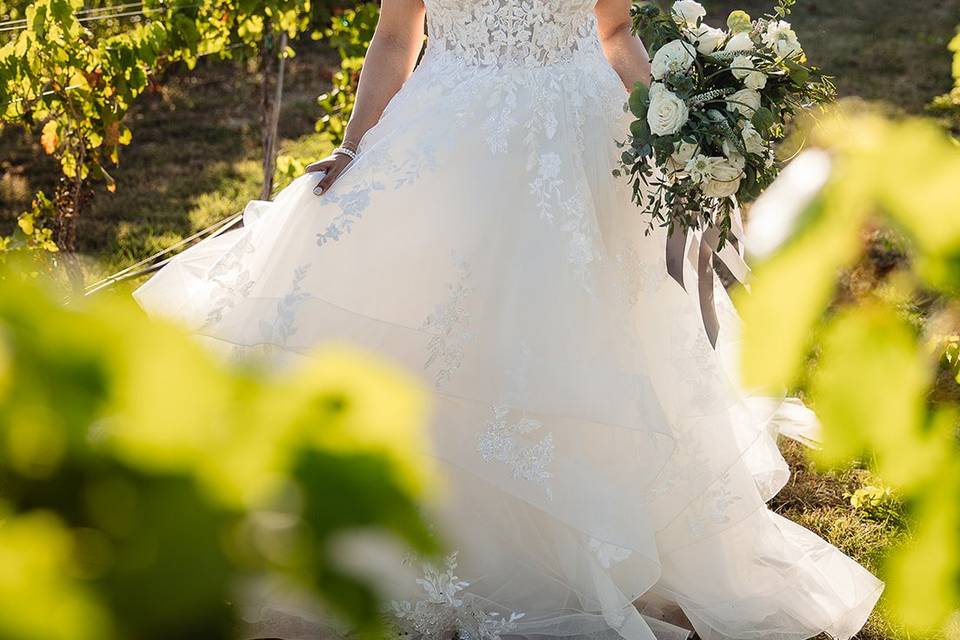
[(22, 23), (148, 265), (82, 12)]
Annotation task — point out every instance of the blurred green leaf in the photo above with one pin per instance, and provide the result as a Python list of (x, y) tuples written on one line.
[(871, 375), (159, 460), (923, 573), (791, 290), (870, 381)]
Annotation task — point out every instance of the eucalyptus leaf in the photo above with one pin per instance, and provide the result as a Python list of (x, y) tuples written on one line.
[(640, 130), (799, 74), (763, 120), (639, 101)]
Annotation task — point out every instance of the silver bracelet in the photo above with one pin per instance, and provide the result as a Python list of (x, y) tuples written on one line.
[(343, 151)]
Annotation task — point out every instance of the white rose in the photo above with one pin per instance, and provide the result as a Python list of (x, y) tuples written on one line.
[(674, 57), (788, 48), (706, 39), (753, 141), (667, 112), (689, 11), (745, 102), (737, 160), (701, 167), (780, 37), (755, 80), (740, 42), (724, 180), (682, 154), (744, 69)]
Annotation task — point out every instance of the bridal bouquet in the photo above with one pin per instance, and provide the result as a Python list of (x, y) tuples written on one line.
[(719, 100)]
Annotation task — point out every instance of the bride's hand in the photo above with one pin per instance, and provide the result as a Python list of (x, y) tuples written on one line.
[(333, 165)]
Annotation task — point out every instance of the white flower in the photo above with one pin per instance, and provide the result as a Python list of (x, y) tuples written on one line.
[(733, 155), (744, 102), (737, 160), (753, 141), (701, 167), (780, 37), (740, 42), (724, 180), (674, 57), (705, 38), (744, 69), (689, 11), (667, 112), (682, 154), (755, 80)]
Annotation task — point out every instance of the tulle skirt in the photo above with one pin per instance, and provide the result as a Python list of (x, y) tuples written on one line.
[(604, 475)]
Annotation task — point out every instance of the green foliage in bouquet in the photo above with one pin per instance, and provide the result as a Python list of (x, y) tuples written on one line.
[(143, 482), (874, 373), (719, 100)]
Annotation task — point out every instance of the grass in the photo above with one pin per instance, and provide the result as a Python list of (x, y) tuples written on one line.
[(818, 500), (195, 159)]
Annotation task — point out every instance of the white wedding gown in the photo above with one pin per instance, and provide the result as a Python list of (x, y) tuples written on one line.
[(601, 463)]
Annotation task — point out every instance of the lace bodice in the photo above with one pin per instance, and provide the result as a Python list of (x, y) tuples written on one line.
[(529, 33)]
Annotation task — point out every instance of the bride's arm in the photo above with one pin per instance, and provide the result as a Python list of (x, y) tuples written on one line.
[(390, 60), (624, 51)]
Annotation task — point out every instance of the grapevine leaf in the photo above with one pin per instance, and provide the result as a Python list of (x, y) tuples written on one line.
[(50, 138)]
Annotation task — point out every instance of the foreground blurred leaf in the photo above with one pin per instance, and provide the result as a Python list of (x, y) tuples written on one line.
[(791, 290), (158, 460), (870, 386), (922, 574), (35, 569), (872, 372)]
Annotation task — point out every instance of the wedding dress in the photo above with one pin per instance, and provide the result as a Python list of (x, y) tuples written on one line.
[(600, 462)]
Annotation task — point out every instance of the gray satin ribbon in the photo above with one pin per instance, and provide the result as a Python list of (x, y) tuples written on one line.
[(676, 245), (709, 242), (701, 255)]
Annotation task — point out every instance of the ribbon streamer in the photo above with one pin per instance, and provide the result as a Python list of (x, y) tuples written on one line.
[(703, 250), (676, 243)]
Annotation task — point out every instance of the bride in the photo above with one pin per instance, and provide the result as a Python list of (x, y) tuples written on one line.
[(604, 474)]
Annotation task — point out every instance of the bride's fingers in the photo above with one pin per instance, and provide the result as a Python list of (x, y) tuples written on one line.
[(320, 165), (332, 174), (337, 166)]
